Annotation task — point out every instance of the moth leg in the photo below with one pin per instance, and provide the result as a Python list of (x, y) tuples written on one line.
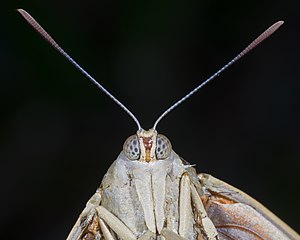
[(185, 214), (115, 224), (147, 236), (208, 227), (170, 235), (106, 233), (87, 223)]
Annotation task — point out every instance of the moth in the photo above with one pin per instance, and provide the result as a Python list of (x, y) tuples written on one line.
[(150, 192)]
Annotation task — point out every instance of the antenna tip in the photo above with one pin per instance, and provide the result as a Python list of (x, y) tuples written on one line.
[(21, 11), (281, 22), (276, 25), (272, 29)]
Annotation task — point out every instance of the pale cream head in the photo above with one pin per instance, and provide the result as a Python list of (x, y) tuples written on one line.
[(147, 146)]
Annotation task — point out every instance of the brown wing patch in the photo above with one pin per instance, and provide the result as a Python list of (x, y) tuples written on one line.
[(87, 226), (92, 231), (235, 221), (232, 231), (220, 192)]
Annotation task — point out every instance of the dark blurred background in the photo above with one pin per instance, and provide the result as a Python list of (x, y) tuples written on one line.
[(59, 133)]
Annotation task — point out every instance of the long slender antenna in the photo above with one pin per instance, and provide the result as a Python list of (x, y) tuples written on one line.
[(251, 46), (50, 40)]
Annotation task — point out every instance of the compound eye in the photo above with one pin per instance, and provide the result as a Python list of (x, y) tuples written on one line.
[(131, 148), (163, 147)]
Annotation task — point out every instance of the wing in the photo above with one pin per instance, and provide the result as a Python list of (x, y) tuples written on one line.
[(238, 216), (87, 226)]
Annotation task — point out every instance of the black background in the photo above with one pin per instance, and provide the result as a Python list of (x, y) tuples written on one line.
[(59, 133)]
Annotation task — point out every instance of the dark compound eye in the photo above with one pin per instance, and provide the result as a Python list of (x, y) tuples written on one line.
[(131, 148), (163, 147)]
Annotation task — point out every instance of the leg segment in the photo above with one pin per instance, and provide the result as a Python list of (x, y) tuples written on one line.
[(115, 224), (106, 233), (170, 235), (185, 206), (208, 226)]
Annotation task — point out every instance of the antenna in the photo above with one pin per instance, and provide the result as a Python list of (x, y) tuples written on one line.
[(50, 40), (267, 33)]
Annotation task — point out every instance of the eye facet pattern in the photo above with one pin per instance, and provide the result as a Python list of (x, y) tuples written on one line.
[(131, 148), (163, 147)]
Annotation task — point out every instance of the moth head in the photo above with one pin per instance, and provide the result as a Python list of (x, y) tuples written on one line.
[(147, 146)]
